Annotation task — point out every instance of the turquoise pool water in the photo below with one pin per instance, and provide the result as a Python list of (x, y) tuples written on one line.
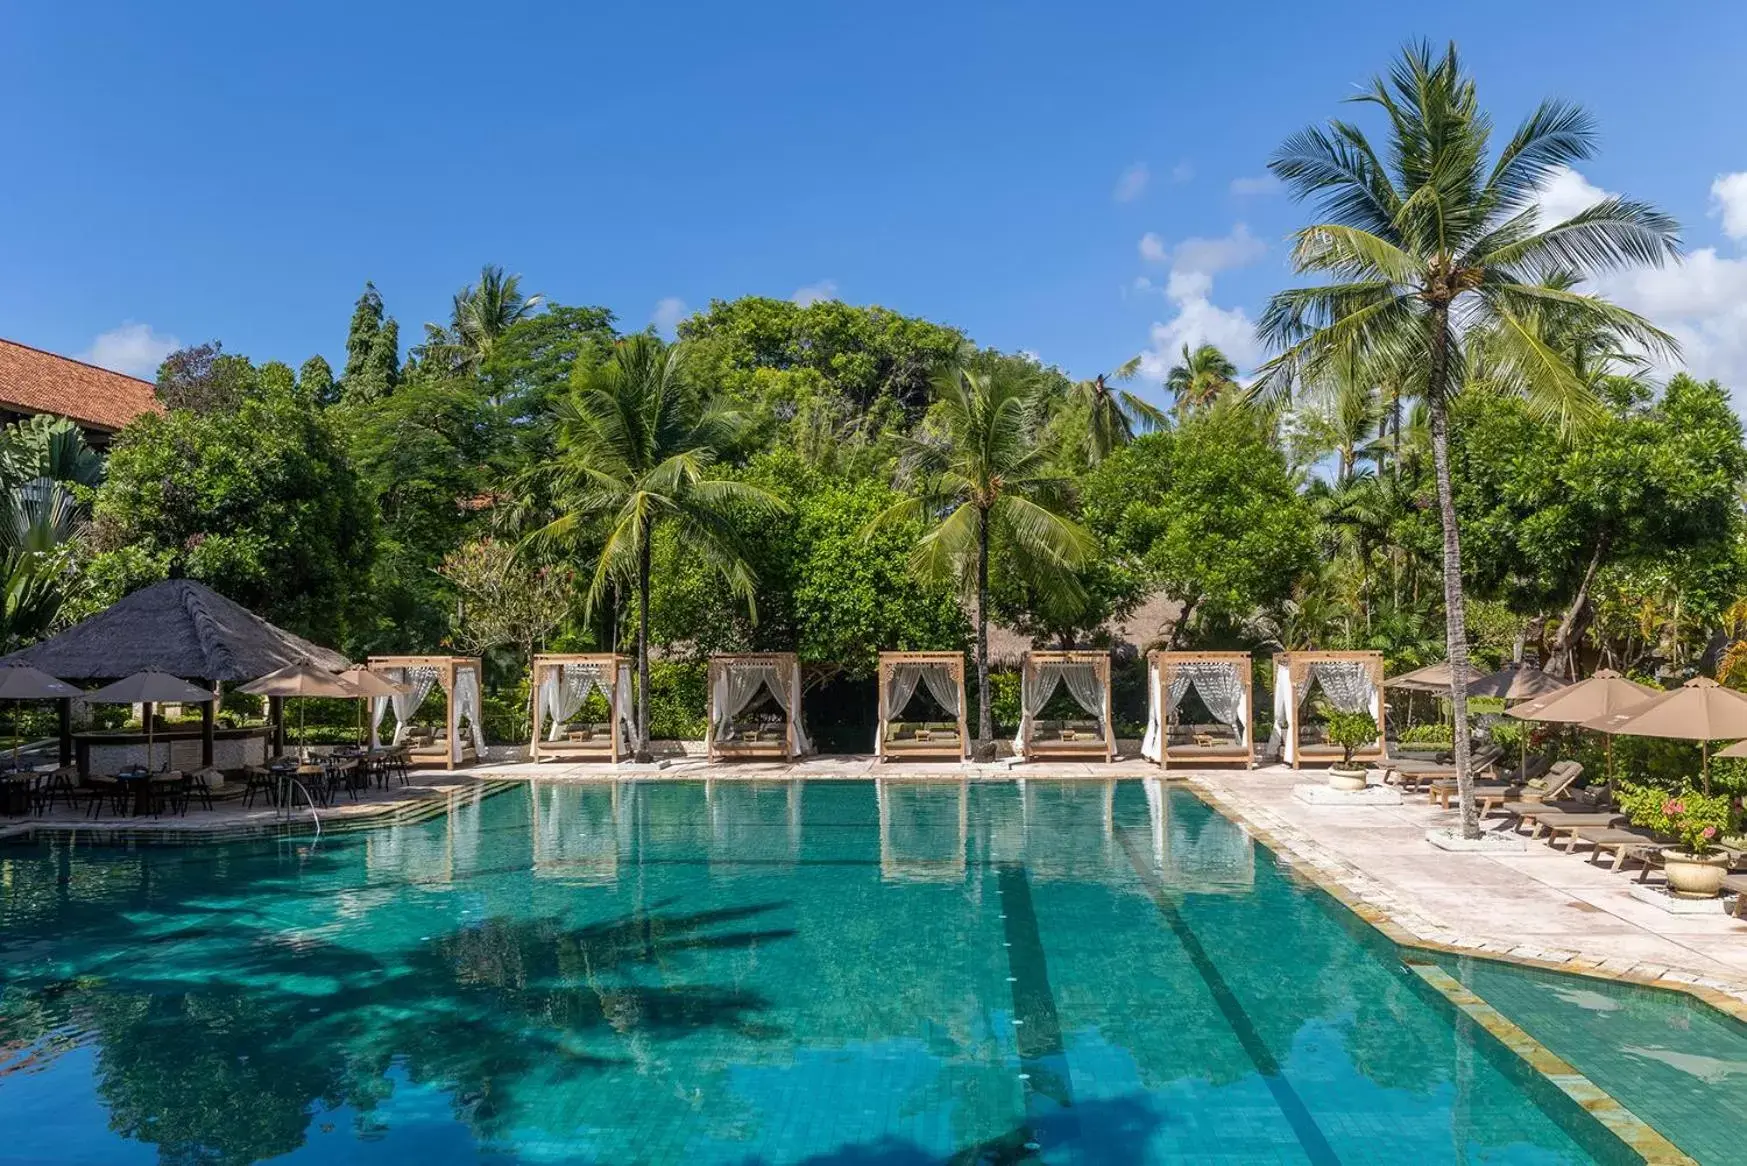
[(832, 972)]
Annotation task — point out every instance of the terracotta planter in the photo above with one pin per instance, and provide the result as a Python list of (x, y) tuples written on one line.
[(1340, 777), (1692, 877)]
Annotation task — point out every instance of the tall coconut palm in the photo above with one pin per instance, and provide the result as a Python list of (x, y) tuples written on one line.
[(1113, 416), (1200, 377), (638, 444), (1433, 242), (978, 479)]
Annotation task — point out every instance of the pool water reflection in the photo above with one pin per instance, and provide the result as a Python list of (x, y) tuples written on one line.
[(824, 972)]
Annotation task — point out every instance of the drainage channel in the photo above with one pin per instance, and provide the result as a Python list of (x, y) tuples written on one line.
[(1043, 1062)]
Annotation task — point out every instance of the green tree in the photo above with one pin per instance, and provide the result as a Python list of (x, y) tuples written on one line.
[(979, 479), (46, 472), (204, 379), (1207, 513), (1200, 378), (259, 502), (420, 455), (481, 314), (372, 350), (1440, 243), (316, 379), (505, 597), (638, 441)]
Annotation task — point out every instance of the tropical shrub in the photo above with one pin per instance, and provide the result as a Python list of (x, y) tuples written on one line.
[(1350, 731), (1436, 733), (1697, 820)]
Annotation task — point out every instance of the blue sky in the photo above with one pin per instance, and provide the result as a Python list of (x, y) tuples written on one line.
[(188, 172)]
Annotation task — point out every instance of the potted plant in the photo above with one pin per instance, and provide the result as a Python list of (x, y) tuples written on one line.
[(1696, 868), (1350, 731)]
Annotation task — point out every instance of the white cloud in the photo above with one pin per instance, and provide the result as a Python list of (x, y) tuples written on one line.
[(1183, 171), (1729, 202), (667, 315), (1132, 183), (1563, 194), (1189, 289), (825, 289), (1701, 301), (1211, 256), (134, 349), (1262, 184)]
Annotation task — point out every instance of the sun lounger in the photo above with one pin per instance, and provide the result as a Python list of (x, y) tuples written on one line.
[(1736, 884), (1410, 774), (1557, 821), (1505, 795), (1623, 843)]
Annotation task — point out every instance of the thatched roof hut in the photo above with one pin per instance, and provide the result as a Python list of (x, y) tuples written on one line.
[(180, 627)]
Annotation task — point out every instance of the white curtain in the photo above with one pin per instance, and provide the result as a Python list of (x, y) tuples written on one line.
[(1280, 739), (942, 687), (624, 695), (1149, 745), (1346, 684), (1221, 689), (1035, 689), (792, 708), (406, 704), (736, 687), (1086, 689), (468, 705), (566, 689)]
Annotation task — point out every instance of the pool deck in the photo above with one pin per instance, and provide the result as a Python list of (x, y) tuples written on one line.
[(1542, 907)]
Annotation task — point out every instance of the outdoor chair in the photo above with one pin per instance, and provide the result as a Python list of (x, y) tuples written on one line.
[(256, 780), (62, 784), (1536, 793), (192, 786), (1623, 842)]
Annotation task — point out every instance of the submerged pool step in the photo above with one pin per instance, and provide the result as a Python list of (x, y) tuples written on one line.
[(1637, 1134)]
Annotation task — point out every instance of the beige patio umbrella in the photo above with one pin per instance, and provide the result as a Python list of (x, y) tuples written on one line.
[(299, 680), (1603, 695), (149, 688), (1700, 710), (1516, 681), (1431, 678), (19, 682), (367, 684)]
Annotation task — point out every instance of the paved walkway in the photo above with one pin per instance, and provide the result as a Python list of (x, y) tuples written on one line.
[(1543, 906)]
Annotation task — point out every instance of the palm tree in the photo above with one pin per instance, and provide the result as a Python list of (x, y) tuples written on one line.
[(479, 315), (638, 442), (1200, 377), (1113, 415), (1345, 417), (1439, 245), (978, 478)]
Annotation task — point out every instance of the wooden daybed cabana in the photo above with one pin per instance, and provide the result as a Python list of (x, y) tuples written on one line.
[(1087, 678), (1222, 682), (562, 683), (461, 679), (942, 674), (1349, 681), (736, 681)]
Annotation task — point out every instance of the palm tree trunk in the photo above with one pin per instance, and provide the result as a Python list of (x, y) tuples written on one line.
[(1455, 616), (642, 743), (985, 719)]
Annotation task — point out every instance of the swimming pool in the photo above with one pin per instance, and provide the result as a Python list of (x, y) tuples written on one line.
[(825, 972)]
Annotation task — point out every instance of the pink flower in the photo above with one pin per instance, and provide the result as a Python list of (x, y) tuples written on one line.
[(1708, 832), (1672, 807)]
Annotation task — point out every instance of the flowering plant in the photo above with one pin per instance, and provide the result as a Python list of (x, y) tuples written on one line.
[(1697, 820)]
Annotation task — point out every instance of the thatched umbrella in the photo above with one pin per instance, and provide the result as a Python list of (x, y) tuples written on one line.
[(367, 684), (299, 680), (146, 689), (21, 682), (1700, 710), (1604, 695)]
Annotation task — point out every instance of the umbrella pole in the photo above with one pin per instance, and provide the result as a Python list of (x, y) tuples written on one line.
[(1705, 765)]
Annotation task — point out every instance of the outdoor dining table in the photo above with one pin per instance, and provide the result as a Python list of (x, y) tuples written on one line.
[(139, 783)]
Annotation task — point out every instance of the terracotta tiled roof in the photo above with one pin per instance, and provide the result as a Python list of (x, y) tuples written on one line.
[(34, 381)]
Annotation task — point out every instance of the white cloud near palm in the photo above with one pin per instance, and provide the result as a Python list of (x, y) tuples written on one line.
[(667, 315), (131, 348), (1188, 288), (1701, 301), (1261, 184)]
